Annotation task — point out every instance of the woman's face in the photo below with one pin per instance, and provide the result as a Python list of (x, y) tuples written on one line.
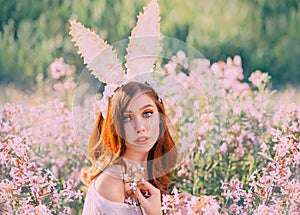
[(141, 127)]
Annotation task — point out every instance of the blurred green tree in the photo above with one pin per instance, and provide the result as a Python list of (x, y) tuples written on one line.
[(264, 32)]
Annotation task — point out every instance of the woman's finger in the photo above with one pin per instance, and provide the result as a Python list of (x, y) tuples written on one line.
[(150, 187), (152, 204), (140, 196)]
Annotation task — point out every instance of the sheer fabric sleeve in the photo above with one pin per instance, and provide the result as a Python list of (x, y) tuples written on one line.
[(95, 204)]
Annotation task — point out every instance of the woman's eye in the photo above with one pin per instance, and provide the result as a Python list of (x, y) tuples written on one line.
[(126, 118), (147, 113)]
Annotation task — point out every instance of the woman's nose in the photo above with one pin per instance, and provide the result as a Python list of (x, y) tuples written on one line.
[(140, 125)]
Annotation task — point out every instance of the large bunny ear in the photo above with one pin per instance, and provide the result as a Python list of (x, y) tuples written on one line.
[(97, 54), (144, 41)]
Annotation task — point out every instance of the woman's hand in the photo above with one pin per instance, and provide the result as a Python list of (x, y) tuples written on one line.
[(152, 204)]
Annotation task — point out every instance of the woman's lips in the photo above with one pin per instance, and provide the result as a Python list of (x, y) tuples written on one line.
[(141, 140)]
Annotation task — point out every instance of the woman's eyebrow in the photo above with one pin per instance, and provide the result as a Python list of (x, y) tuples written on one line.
[(146, 106), (142, 108)]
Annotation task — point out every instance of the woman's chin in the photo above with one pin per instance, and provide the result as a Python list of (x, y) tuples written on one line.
[(140, 148)]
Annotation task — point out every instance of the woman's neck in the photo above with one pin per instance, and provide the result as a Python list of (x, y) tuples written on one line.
[(135, 157), (134, 163)]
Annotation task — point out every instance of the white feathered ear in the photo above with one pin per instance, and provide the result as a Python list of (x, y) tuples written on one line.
[(143, 46), (97, 54)]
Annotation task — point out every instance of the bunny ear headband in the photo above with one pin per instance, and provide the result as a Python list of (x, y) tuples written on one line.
[(103, 61)]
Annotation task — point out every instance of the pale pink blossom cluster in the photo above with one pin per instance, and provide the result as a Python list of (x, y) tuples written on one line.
[(25, 186), (248, 121), (183, 71), (274, 189), (187, 204), (230, 74), (258, 78), (248, 111), (251, 137), (187, 168), (182, 101), (59, 68), (55, 141), (62, 75)]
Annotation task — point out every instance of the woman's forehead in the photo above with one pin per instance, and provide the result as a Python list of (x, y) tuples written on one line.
[(140, 101)]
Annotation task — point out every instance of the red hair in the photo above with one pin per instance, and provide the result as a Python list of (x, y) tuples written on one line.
[(107, 146)]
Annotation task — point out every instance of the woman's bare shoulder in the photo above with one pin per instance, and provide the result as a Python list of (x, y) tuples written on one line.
[(110, 187)]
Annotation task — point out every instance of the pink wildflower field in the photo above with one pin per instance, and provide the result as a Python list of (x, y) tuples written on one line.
[(245, 158)]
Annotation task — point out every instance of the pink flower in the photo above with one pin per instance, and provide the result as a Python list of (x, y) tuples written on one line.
[(223, 147), (237, 60), (58, 86), (59, 68), (171, 67), (263, 209), (181, 172), (258, 78)]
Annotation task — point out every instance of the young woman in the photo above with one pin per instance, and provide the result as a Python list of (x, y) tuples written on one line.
[(132, 132), (135, 130)]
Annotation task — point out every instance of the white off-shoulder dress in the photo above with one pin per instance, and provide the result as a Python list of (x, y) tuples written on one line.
[(96, 204)]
